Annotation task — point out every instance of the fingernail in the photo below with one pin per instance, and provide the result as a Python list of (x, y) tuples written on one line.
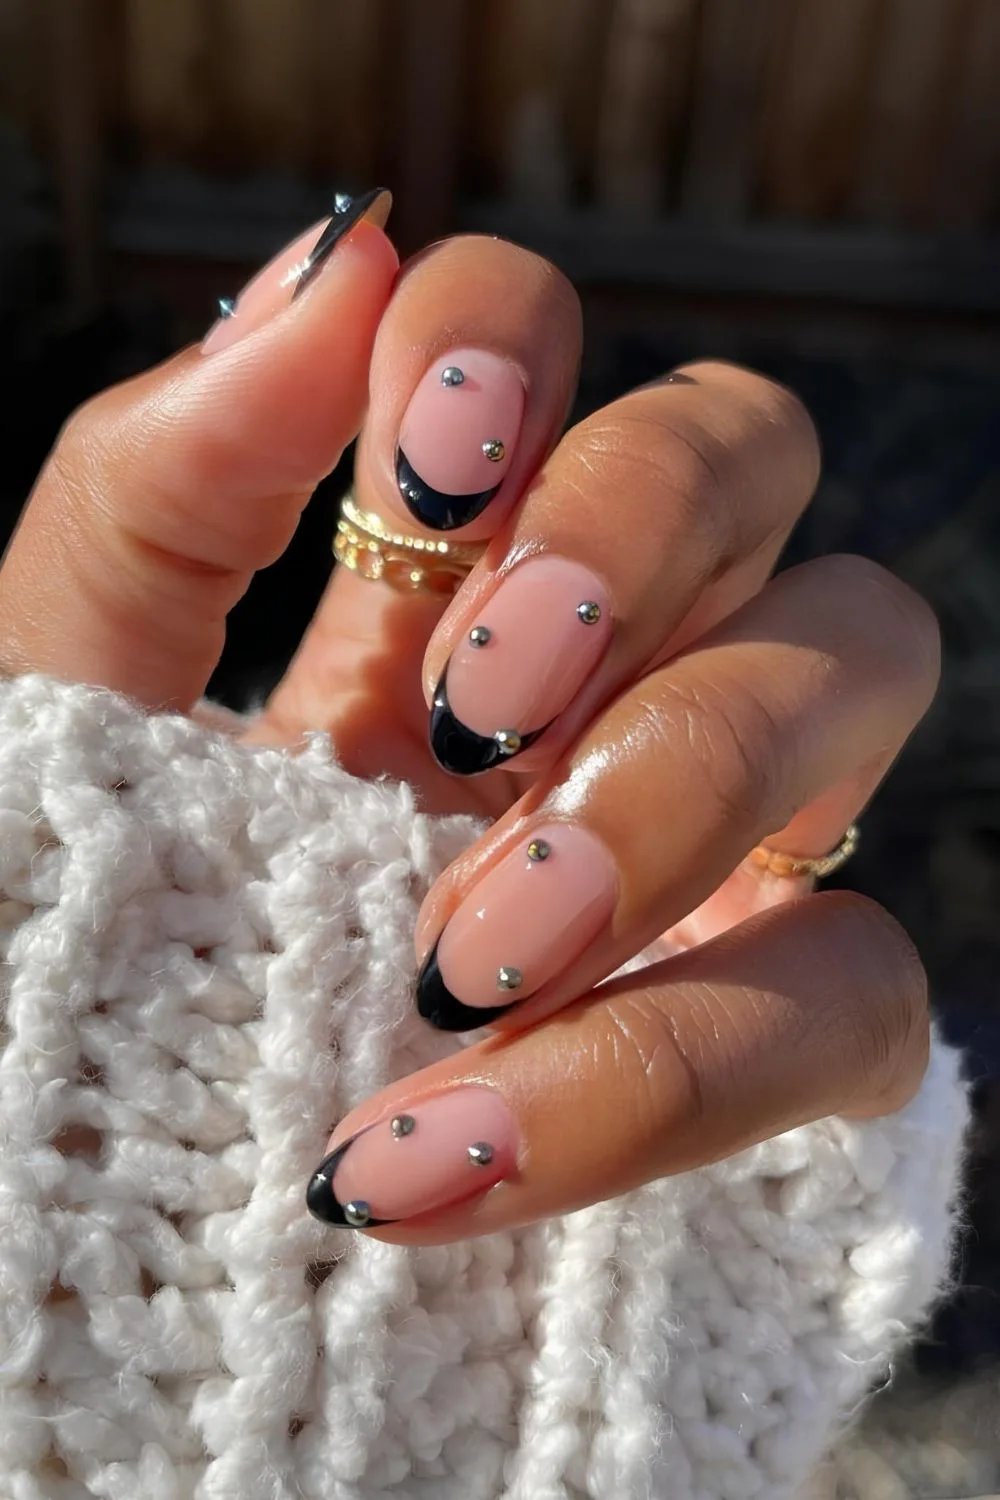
[(293, 269), (457, 437), (530, 650), (529, 918), (441, 1152)]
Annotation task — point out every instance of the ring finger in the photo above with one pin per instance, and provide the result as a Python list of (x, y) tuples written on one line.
[(810, 687)]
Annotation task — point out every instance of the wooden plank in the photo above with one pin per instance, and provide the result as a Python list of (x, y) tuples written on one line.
[(968, 190), (348, 90), (76, 142), (643, 98), (261, 65), (903, 123), (535, 74), (433, 38), (727, 104), (20, 86), (166, 99), (819, 84)]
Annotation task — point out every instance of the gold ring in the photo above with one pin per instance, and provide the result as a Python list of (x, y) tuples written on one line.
[(792, 865), (410, 564)]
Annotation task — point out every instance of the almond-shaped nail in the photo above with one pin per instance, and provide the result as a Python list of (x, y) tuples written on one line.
[(293, 269), (526, 921), (533, 645), (458, 436), (436, 1153)]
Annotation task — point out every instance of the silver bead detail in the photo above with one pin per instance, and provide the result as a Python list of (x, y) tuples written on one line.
[(342, 202), (538, 850), (452, 375), (480, 635), (227, 307), (402, 1125), (357, 1213), (509, 978), (480, 1154), (494, 450), (589, 612), (508, 740)]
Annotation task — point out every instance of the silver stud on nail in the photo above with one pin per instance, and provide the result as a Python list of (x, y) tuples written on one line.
[(538, 850), (452, 375), (357, 1213), (509, 978), (480, 1154), (227, 307), (480, 636), (508, 740), (402, 1125), (494, 450), (342, 202), (589, 611)]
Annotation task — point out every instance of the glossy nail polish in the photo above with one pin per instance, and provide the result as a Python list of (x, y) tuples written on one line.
[(458, 436), (438, 1153), (526, 921), (288, 275), (533, 645)]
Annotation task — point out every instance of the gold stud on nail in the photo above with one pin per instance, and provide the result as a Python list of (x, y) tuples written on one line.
[(452, 375), (480, 635), (508, 740), (357, 1213), (494, 450), (402, 1125), (509, 978), (589, 611), (480, 1154), (538, 850)]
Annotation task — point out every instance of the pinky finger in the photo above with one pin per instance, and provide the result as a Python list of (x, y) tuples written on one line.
[(810, 1009)]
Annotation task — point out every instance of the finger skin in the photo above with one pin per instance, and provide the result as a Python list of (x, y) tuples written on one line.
[(164, 495), (829, 667), (467, 293), (814, 1008), (668, 509)]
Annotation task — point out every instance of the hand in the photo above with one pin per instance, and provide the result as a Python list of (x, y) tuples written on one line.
[(665, 704)]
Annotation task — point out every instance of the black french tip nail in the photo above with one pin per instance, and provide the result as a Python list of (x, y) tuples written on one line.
[(458, 749), (433, 508), (324, 1204), (436, 1003), (347, 212)]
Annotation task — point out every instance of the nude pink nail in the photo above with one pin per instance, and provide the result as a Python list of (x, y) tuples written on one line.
[(533, 645), (293, 269), (436, 1153), (458, 436), (526, 921)]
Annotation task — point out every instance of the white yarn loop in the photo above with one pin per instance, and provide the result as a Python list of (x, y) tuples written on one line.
[(208, 960)]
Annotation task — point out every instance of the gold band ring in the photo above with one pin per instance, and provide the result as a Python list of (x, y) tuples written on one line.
[(793, 865), (410, 564)]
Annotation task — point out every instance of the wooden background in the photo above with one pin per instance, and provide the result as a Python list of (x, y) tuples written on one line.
[(843, 148)]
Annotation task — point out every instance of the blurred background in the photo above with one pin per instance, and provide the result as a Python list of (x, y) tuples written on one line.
[(808, 186)]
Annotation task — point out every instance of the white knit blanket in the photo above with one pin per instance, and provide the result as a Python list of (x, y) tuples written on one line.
[(208, 961)]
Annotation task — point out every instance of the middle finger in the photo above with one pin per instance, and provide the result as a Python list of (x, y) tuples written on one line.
[(823, 674), (652, 520)]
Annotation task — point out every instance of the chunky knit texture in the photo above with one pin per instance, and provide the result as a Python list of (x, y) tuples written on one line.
[(208, 961)]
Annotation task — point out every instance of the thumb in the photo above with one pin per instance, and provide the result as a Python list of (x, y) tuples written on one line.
[(164, 495)]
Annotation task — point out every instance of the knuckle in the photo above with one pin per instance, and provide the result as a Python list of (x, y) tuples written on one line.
[(732, 744), (892, 1015), (632, 449)]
